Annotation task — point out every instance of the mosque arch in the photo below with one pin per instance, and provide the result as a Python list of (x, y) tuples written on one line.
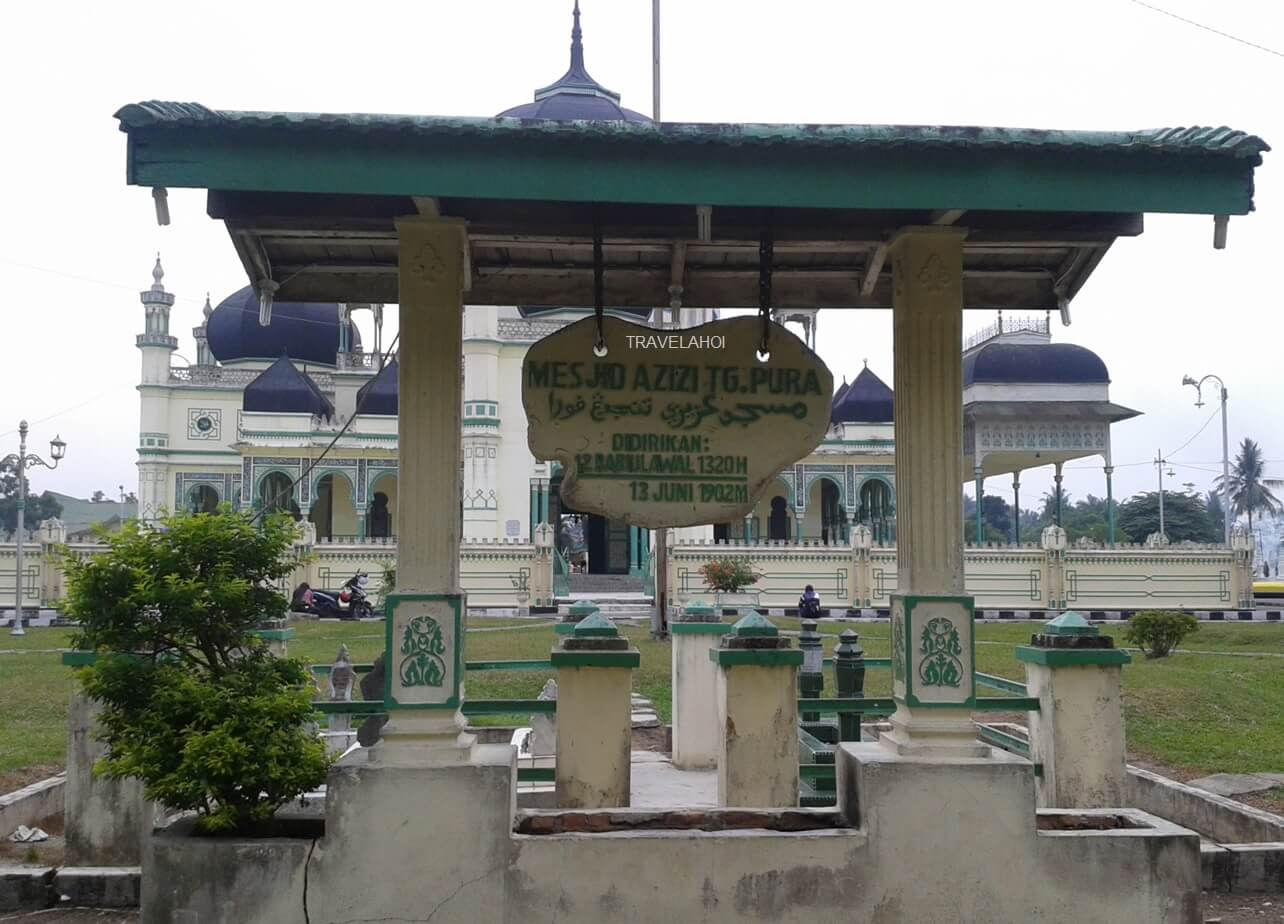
[(826, 517), (202, 498), (381, 511), (876, 509), (334, 510), (276, 493)]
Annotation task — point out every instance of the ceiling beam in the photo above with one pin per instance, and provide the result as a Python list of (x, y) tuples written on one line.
[(874, 268)]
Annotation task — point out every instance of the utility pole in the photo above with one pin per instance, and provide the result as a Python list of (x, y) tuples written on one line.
[(1199, 402), (1160, 462), (660, 620), (655, 60), (20, 461)]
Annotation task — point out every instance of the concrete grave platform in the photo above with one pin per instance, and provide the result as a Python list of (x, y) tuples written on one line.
[(1237, 784)]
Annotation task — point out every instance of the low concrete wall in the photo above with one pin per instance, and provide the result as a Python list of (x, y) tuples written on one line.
[(226, 880), (1223, 820), (104, 820), (32, 803), (1243, 868)]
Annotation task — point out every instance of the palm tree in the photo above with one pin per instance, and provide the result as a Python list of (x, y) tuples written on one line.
[(1250, 489)]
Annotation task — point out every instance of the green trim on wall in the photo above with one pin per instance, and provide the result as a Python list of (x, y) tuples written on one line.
[(756, 657), (909, 602), (631, 658), (1072, 657), (699, 628), (391, 603)]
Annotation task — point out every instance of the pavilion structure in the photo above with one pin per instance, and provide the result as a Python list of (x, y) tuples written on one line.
[(435, 213)]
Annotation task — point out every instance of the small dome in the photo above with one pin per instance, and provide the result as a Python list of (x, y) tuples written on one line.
[(283, 389), (575, 95), (866, 400), (1034, 363), (306, 331), (379, 395), (838, 395)]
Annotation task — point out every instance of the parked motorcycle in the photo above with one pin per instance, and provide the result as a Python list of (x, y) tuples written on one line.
[(351, 602)]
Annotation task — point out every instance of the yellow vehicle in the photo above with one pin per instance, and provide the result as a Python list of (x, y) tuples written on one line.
[(1269, 591)]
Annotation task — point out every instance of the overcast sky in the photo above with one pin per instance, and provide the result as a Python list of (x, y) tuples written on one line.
[(77, 244)]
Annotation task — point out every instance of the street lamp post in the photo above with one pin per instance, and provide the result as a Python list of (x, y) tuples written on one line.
[(1199, 402), (20, 461)]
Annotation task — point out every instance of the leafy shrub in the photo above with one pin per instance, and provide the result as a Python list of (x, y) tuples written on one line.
[(1158, 633), (192, 705), (728, 575)]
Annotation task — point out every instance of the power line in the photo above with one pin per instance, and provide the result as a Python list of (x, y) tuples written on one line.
[(1200, 25), (1215, 412)]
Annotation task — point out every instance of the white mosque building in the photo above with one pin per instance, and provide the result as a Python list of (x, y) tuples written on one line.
[(246, 421)]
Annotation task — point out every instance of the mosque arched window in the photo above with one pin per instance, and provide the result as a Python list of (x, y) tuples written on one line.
[(202, 499)]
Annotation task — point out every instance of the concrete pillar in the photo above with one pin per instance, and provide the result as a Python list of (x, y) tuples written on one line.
[(696, 731), (932, 618), (594, 715), (425, 630), (758, 716), (1078, 732), (105, 820)]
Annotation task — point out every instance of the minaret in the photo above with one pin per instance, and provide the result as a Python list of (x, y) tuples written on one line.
[(203, 355), (156, 344), (155, 340)]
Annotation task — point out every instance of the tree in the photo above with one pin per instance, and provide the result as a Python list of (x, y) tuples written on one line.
[(131, 498), (1216, 514), (1250, 489), (192, 705), (44, 507), (1185, 517), (98, 498)]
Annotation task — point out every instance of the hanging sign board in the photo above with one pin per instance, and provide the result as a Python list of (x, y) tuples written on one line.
[(673, 427)]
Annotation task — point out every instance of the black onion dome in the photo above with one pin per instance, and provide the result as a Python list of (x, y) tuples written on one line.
[(575, 96), (283, 389), (1034, 363), (866, 400), (379, 395), (307, 331)]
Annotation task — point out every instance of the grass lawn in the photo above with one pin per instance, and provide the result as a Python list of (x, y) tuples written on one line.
[(1193, 713)]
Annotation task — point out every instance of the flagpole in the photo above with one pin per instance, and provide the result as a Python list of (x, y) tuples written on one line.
[(655, 60)]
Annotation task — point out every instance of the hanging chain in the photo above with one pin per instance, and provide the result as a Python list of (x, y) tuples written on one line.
[(599, 288), (765, 253)]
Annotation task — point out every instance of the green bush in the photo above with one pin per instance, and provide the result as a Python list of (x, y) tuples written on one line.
[(1158, 633), (194, 706), (728, 575)]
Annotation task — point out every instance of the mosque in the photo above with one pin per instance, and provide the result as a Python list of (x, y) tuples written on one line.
[(247, 421)]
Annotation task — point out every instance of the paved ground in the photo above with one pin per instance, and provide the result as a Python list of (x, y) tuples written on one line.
[(1243, 909), (656, 783), (1236, 784)]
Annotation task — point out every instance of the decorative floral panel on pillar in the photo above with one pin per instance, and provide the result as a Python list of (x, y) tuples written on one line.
[(933, 650), (425, 651)]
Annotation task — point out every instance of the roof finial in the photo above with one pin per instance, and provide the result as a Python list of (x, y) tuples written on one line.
[(158, 273), (577, 46), (207, 310), (866, 362)]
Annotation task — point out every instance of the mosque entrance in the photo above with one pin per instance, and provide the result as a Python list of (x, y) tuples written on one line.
[(592, 543)]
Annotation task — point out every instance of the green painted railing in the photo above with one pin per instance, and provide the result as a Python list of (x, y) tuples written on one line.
[(1001, 739), (1003, 684)]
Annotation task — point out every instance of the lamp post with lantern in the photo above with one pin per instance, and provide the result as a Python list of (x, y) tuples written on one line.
[(20, 461), (1199, 402)]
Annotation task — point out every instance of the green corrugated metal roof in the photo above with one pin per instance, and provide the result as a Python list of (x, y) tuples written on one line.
[(1220, 141)]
